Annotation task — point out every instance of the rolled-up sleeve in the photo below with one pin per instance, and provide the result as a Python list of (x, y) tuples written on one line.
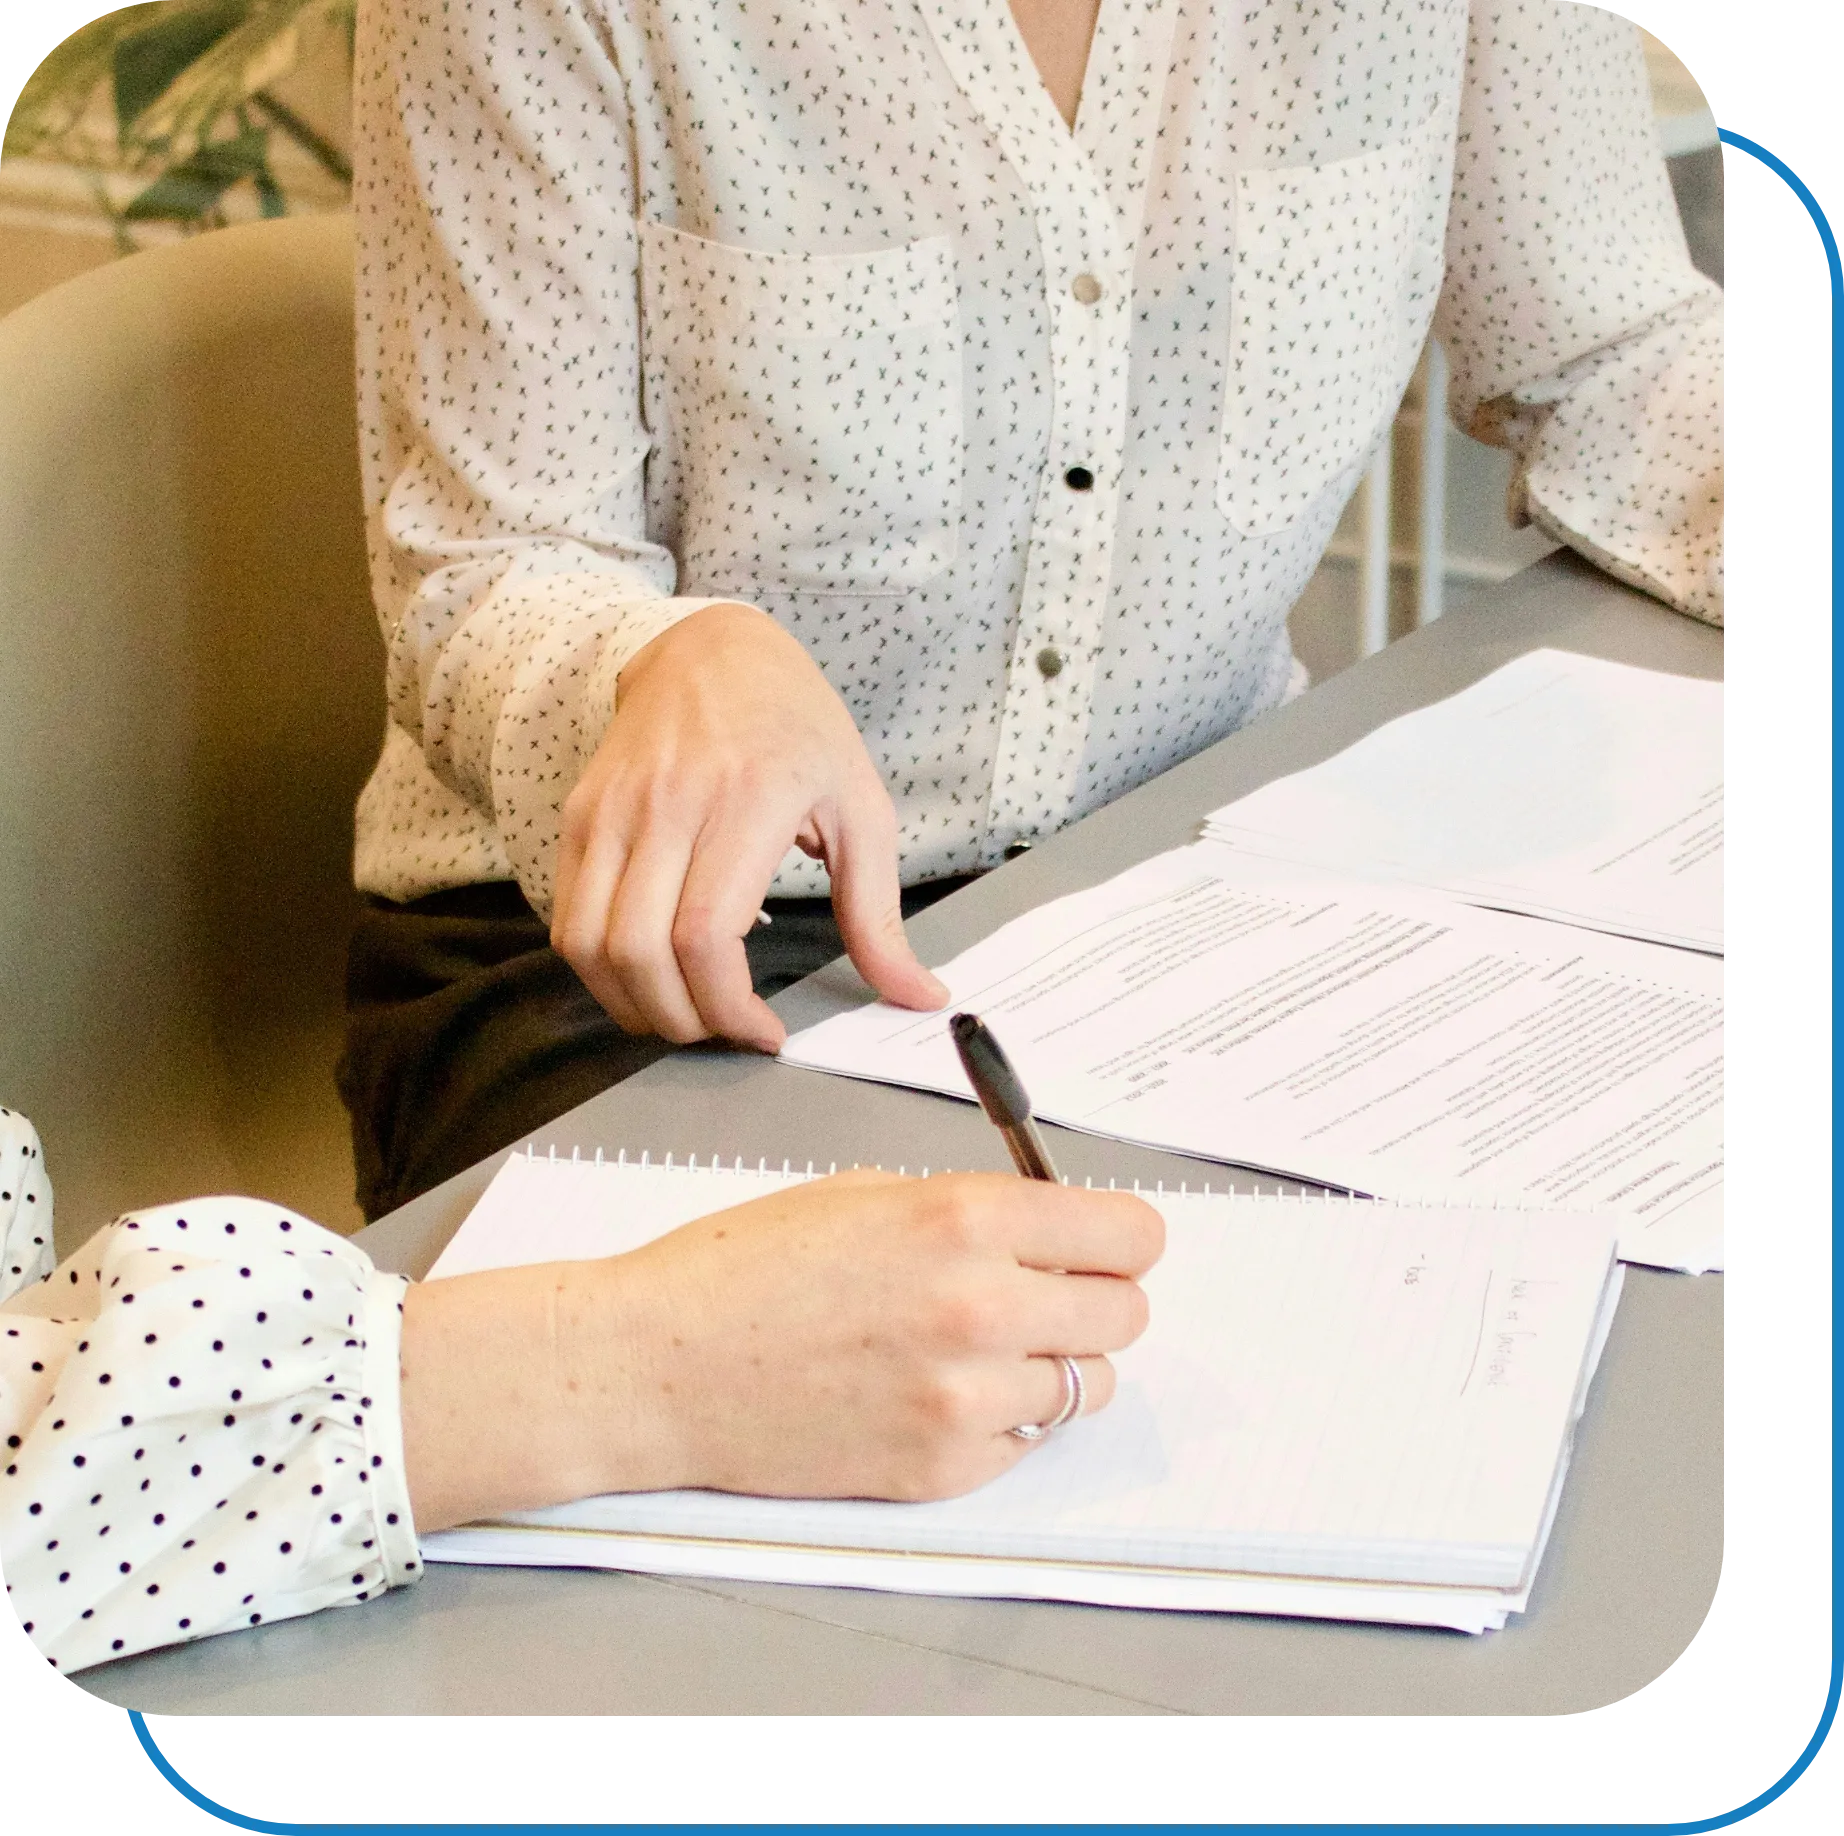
[(200, 1416), (26, 1254), (499, 392), (1580, 334)]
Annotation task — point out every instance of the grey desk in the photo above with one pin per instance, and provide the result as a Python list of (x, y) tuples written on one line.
[(1630, 1571)]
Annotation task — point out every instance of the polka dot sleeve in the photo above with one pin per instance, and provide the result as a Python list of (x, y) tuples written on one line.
[(200, 1415), (25, 1207)]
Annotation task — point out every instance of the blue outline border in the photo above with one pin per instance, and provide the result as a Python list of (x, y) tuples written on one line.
[(235, 1818)]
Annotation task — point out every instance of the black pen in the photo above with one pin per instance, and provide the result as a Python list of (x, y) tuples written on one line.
[(1001, 1095)]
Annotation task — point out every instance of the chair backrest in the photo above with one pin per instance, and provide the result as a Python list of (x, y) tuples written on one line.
[(190, 696)]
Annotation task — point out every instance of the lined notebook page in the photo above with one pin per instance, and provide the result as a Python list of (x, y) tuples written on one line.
[(1328, 1388)]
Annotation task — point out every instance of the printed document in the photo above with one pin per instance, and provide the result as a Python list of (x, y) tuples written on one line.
[(1560, 785), (1367, 1036)]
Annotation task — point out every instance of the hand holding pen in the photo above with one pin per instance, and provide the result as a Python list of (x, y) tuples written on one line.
[(1008, 1108)]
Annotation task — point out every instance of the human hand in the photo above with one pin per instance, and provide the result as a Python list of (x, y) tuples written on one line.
[(862, 1336), (727, 747)]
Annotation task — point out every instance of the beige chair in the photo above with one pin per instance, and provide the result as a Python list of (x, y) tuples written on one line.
[(190, 697)]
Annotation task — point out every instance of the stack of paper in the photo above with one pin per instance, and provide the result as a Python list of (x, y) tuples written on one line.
[(1560, 785), (1341, 1409), (1367, 1036)]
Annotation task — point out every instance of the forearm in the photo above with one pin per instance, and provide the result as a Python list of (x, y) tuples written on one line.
[(1580, 334), (524, 1388), (862, 1336)]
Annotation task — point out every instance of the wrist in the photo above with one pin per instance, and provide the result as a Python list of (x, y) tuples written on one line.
[(613, 1381), (728, 621), (523, 1388)]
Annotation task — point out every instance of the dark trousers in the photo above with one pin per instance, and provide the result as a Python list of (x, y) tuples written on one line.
[(465, 1030)]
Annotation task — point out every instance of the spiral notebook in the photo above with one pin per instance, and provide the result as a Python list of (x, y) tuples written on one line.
[(1342, 1408)]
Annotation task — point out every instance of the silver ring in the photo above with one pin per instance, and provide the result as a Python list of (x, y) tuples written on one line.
[(1073, 1397)]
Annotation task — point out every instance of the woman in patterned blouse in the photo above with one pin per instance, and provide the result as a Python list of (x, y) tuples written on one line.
[(813, 452)]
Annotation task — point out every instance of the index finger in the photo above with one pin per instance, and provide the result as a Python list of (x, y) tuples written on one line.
[(1072, 1229), (867, 901), (733, 864)]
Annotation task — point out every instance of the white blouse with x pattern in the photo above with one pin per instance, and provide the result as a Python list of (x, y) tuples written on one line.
[(1031, 436)]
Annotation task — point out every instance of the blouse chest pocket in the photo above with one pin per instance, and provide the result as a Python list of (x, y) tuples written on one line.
[(806, 412), (1337, 270)]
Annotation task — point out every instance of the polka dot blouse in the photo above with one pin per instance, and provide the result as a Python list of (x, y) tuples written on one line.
[(25, 1207), (200, 1418), (1031, 436)]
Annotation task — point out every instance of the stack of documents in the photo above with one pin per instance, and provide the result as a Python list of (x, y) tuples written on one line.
[(1332, 986), (1367, 1036), (1341, 1409), (1560, 785)]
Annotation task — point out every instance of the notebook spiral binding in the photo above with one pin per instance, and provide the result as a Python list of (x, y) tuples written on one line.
[(790, 1169)]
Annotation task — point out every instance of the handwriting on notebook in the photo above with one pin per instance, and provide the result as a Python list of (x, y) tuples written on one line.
[(1512, 1312)]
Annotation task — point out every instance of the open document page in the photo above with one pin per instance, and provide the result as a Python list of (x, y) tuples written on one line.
[(1340, 1408), (1561, 785), (1368, 1036)]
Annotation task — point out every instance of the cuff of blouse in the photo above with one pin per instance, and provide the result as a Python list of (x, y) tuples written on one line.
[(393, 1526)]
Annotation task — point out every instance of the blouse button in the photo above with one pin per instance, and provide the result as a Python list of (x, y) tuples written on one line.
[(1086, 288), (1049, 662), (1079, 478), (1016, 849)]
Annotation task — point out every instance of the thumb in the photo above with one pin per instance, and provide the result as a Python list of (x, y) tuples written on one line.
[(867, 900)]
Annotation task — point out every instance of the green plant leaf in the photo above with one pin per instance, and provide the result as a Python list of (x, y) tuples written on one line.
[(59, 90), (191, 190), (227, 73), (179, 73), (148, 60)]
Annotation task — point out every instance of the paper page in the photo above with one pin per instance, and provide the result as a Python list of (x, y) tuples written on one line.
[(1563, 786), (1342, 1390), (1360, 1035), (1454, 1609), (569, 1209)]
